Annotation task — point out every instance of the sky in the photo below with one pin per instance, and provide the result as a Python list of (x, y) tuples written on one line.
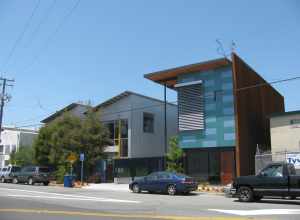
[(103, 48)]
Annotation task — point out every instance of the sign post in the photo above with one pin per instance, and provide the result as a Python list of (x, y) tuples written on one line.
[(81, 159), (72, 158)]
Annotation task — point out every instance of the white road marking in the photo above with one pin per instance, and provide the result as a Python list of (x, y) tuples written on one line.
[(64, 196), (259, 212), (75, 199)]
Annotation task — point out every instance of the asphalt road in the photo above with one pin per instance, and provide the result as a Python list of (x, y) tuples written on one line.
[(24, 202)]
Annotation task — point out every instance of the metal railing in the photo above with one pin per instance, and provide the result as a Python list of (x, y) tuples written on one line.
[(263, 159)]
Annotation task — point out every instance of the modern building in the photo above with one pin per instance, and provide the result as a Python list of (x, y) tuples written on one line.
[(222, 109), (285, 132), (12, 139), (136, 125), (75, 109)]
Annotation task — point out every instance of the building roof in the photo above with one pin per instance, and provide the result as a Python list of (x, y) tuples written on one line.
[(20, 129), (123, 95), (282, 114), (169, 76), (60, 112)]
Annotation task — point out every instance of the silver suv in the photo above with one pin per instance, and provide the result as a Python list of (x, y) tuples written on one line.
[(8, 173)]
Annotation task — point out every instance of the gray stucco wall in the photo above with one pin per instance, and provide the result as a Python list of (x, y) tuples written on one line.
[(284, 135), (151, 144), (142, 144)]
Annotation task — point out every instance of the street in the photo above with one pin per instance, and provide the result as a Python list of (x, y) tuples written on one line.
[(22, 202)]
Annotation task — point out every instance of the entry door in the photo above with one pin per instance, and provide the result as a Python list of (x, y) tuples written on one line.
[(227, 167)]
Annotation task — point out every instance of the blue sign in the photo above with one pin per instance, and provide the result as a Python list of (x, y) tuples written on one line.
[(81, 157)]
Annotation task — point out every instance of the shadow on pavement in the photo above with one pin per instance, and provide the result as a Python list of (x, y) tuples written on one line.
[(275, 201), (177, 195)]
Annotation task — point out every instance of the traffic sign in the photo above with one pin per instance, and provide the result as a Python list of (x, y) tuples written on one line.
[(72, 158), (81, 157)]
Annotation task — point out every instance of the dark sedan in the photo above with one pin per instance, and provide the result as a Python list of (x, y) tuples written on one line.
[(164, 182)]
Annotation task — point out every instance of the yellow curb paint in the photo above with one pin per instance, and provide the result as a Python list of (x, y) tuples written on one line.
[(115, 215)]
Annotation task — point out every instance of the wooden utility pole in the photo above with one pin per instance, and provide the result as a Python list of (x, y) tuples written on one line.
[(4, 97)]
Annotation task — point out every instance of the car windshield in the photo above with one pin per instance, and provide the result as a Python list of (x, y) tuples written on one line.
[(44, 170), (4, 169)]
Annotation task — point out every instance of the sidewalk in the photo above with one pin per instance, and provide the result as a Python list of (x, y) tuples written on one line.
[(108, 187)]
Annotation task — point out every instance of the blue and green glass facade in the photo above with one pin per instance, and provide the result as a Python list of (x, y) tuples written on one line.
[(219, 121)]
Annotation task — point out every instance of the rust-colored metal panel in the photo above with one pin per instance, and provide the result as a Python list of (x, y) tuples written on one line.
[(252, 106), (227, 167)]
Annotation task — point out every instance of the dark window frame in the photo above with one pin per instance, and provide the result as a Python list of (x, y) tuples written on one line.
[(151, 117)]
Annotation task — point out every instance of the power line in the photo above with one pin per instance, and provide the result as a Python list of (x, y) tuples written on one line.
[(51, 36), (42, 21), (20, 37), (270, 83), (213, 94)]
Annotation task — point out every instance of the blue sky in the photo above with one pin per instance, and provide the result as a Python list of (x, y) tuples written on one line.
[(105, 47)]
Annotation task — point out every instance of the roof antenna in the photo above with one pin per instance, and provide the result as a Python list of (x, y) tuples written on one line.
[(222, 51), (233, 46)]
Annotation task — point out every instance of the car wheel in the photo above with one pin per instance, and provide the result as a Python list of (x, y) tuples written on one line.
[(46, 183), (2, 180), (15, 180), (245, 194), (30, 181), (136, 188), (171, 190)]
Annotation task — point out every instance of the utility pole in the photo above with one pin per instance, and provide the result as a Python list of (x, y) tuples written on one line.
[(4, 97)]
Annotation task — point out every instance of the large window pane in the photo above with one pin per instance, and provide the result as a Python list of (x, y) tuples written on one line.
[(124, 129), (148, 122)]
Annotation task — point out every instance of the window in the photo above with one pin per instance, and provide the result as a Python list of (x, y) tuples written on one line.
[(164, 176), (153, 176), (295, 121), (191, 107), (44, 170), (118, 131), (13, 148), (273, 171), (7, 149), (148, 122), (1, 149)]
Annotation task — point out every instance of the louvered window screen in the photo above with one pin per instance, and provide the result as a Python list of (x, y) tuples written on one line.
[(190, 107)]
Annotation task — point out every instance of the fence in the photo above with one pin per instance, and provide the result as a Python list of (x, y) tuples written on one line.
[(263, 159)]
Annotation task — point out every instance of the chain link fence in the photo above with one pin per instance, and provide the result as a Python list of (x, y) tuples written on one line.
[(263, 159)]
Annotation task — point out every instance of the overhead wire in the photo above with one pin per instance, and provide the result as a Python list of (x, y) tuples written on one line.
[(219, 92), (21, 35), (52, 35)]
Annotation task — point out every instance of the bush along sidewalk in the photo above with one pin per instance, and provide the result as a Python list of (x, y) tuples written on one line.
[(206, 187)]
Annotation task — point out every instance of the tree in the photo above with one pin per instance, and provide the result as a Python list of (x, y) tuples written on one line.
[(22, 157), (70, 134), (174, 156)]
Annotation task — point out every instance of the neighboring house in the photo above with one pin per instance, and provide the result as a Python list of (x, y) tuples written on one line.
[(285, 132), (12, 139), (222, 116), (75, 109), (136, 126)]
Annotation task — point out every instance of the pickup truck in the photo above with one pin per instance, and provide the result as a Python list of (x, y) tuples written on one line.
[(275, 180)]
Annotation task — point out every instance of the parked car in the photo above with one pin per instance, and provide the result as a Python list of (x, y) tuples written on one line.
[(164, 182), (276, 180), (32, 175), (9, 173), (2, 170)]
